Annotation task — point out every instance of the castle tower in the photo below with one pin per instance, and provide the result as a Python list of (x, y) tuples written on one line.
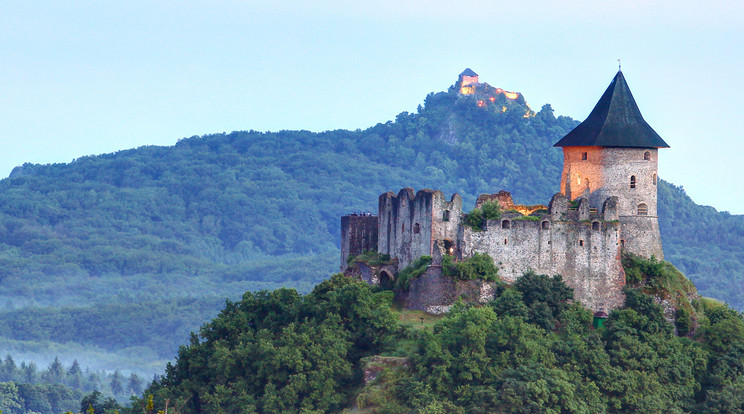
[(468, 77), (467, 81), (614, 152)]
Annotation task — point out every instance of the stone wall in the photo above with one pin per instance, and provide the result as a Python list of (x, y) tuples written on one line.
[(607, 172), (358, 235), (434, 293), (629, 174), (410, 224), (580, 245), (373, 275), (579, 237), (641, 236)]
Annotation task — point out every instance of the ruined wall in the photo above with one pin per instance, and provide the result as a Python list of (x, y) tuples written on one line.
[(446, 218), (504, 199), (383, 275), (582, 246), (434, 293), (358, 234), (410, 224)]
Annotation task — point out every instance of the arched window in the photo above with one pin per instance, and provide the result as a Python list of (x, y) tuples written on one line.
[(581, 242), (505, 224), (506, 241), (546, 224), (416, 228), (632, 181), (647, 156), (445, 215), (654, 179), (595, 225), (449, 247), (642, 209)]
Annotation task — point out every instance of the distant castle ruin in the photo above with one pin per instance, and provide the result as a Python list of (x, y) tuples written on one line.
[(606, 206)]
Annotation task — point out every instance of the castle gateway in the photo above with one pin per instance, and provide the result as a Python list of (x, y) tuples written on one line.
[(606, 206)]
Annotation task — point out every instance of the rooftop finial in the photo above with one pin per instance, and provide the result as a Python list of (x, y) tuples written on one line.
[(619, 66)]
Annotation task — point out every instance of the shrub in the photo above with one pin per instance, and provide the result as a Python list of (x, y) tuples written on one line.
[(480, 266), (412, 271), (370, 258), (683, 321), (476, 219)]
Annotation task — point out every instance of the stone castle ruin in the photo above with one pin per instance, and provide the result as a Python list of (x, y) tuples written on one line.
[(606, 206)]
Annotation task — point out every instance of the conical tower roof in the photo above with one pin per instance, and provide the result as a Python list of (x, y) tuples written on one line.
[(615, 121)]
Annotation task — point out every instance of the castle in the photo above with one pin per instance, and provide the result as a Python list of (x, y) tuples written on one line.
[(606, 206)]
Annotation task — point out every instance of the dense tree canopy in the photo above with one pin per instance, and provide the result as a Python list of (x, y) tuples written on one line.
[(531, 349), (280, 352)]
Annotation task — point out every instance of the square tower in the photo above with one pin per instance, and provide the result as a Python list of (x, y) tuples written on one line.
[(614, 152)]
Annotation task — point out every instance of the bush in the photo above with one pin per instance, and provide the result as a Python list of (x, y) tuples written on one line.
[(412, 271), (683, 321), (370, 258), (476, 219), (480, 266)]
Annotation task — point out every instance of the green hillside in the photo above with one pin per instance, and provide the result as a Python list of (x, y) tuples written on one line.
[(214, 216), (342, 348)]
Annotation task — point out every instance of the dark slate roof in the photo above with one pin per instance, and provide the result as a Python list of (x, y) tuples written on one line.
[(468, 72), (615, 121)]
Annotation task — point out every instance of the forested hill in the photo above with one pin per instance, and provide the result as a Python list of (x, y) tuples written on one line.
[(221, 214), (208, 213)]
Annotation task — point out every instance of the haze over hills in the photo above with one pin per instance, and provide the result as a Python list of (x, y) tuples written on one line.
[(178, 229)]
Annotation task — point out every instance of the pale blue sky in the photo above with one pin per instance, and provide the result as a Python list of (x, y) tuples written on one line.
[(88, 77)]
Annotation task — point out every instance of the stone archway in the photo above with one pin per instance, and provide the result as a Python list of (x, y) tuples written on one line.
[(387, 281), (449, 247)]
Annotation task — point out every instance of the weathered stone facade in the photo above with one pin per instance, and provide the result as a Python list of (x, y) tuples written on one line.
[(434, 293), (627, 173), (581, 245), (358, 235), (409, 224)]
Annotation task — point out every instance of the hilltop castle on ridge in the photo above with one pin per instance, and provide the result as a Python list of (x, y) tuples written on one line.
[(606, 206)]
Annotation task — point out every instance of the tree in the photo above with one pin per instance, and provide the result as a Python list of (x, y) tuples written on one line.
[(510, 303), (28, 372), (74, 375), (116, 386), (546, 297), (134, 384), (55, 374), (10, 400), (8, 369), (94, 402), (300, 351)]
